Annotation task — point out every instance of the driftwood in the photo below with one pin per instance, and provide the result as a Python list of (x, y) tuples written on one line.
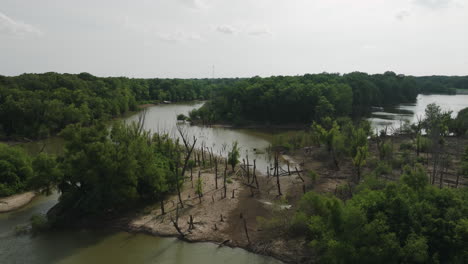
[(176, 223), (224, 243), (298, 174)]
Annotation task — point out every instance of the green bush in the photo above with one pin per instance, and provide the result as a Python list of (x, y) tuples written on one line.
[(313, 176), (406, 146), (424, 144), (383, 168), (408, 221), (15, 170)]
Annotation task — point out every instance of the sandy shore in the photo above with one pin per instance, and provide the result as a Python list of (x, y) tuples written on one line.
[(16, 201), (238, 212)]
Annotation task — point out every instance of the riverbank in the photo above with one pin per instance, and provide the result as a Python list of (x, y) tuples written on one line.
[(14, 202), (231, 221)]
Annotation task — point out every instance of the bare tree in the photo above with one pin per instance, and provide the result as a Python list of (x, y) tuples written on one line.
[(189, 148)]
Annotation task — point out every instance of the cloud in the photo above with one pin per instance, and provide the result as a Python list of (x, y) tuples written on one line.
[(178, 36), (10, 27), (226, 29), (195, 4), (434, 4), (259, 32), (402, 15), (369, 47), (151, 31), (243, 29)]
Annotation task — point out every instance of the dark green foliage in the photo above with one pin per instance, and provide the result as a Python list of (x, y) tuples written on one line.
[(461, 123), (105, 171), (47, 173), (405, 222), (464, 164), (303, 99), (442, 84), (39, 105), (181, 117), (15, 170)]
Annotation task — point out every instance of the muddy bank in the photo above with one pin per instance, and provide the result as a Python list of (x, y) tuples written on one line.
[(11, 203), (224, 220)]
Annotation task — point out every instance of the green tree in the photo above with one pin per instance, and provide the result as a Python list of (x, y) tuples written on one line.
[(47, 173), (461, 122), (106, 171), (15, 170)]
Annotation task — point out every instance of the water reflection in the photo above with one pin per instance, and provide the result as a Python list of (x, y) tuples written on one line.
[(395, 117)]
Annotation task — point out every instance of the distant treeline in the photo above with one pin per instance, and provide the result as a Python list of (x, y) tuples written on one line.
[(302, 99), (39, 105), (442, 84)]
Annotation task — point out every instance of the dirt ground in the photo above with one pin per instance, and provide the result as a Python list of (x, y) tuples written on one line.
[(14, 202), (229, 231)]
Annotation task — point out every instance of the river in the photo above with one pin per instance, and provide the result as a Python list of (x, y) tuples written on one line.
[(107, 246), (110, 246), (394, 116)]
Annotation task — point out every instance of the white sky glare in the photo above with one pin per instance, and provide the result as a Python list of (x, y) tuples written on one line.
[(242, 38)]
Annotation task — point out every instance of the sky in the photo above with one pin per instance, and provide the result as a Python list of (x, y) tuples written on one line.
[(233, 38)]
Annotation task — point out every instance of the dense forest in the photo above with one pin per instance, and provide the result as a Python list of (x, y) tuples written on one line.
[(302, 99), (39, 105)]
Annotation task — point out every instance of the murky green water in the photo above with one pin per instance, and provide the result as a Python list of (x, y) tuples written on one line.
[(85, 246)]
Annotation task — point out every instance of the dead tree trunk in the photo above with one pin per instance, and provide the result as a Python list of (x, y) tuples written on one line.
[(178, 184), (203, 153), (176, 222), (299, 175), (248, 170), (210, 155), (191, 226), (162, 207), (246, 231), (188, 148), (224, 181), (255, 175), (191, 174), (216, 173), (243, 166), (289, 172), (277, 173)]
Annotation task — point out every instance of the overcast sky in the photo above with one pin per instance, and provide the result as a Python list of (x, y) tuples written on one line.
[(241, 38)]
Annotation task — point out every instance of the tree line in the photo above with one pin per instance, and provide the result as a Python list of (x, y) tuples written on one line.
[(303, 99), (39, 105)]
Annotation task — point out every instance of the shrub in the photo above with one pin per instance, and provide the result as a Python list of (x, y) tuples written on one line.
[(406, 146)]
